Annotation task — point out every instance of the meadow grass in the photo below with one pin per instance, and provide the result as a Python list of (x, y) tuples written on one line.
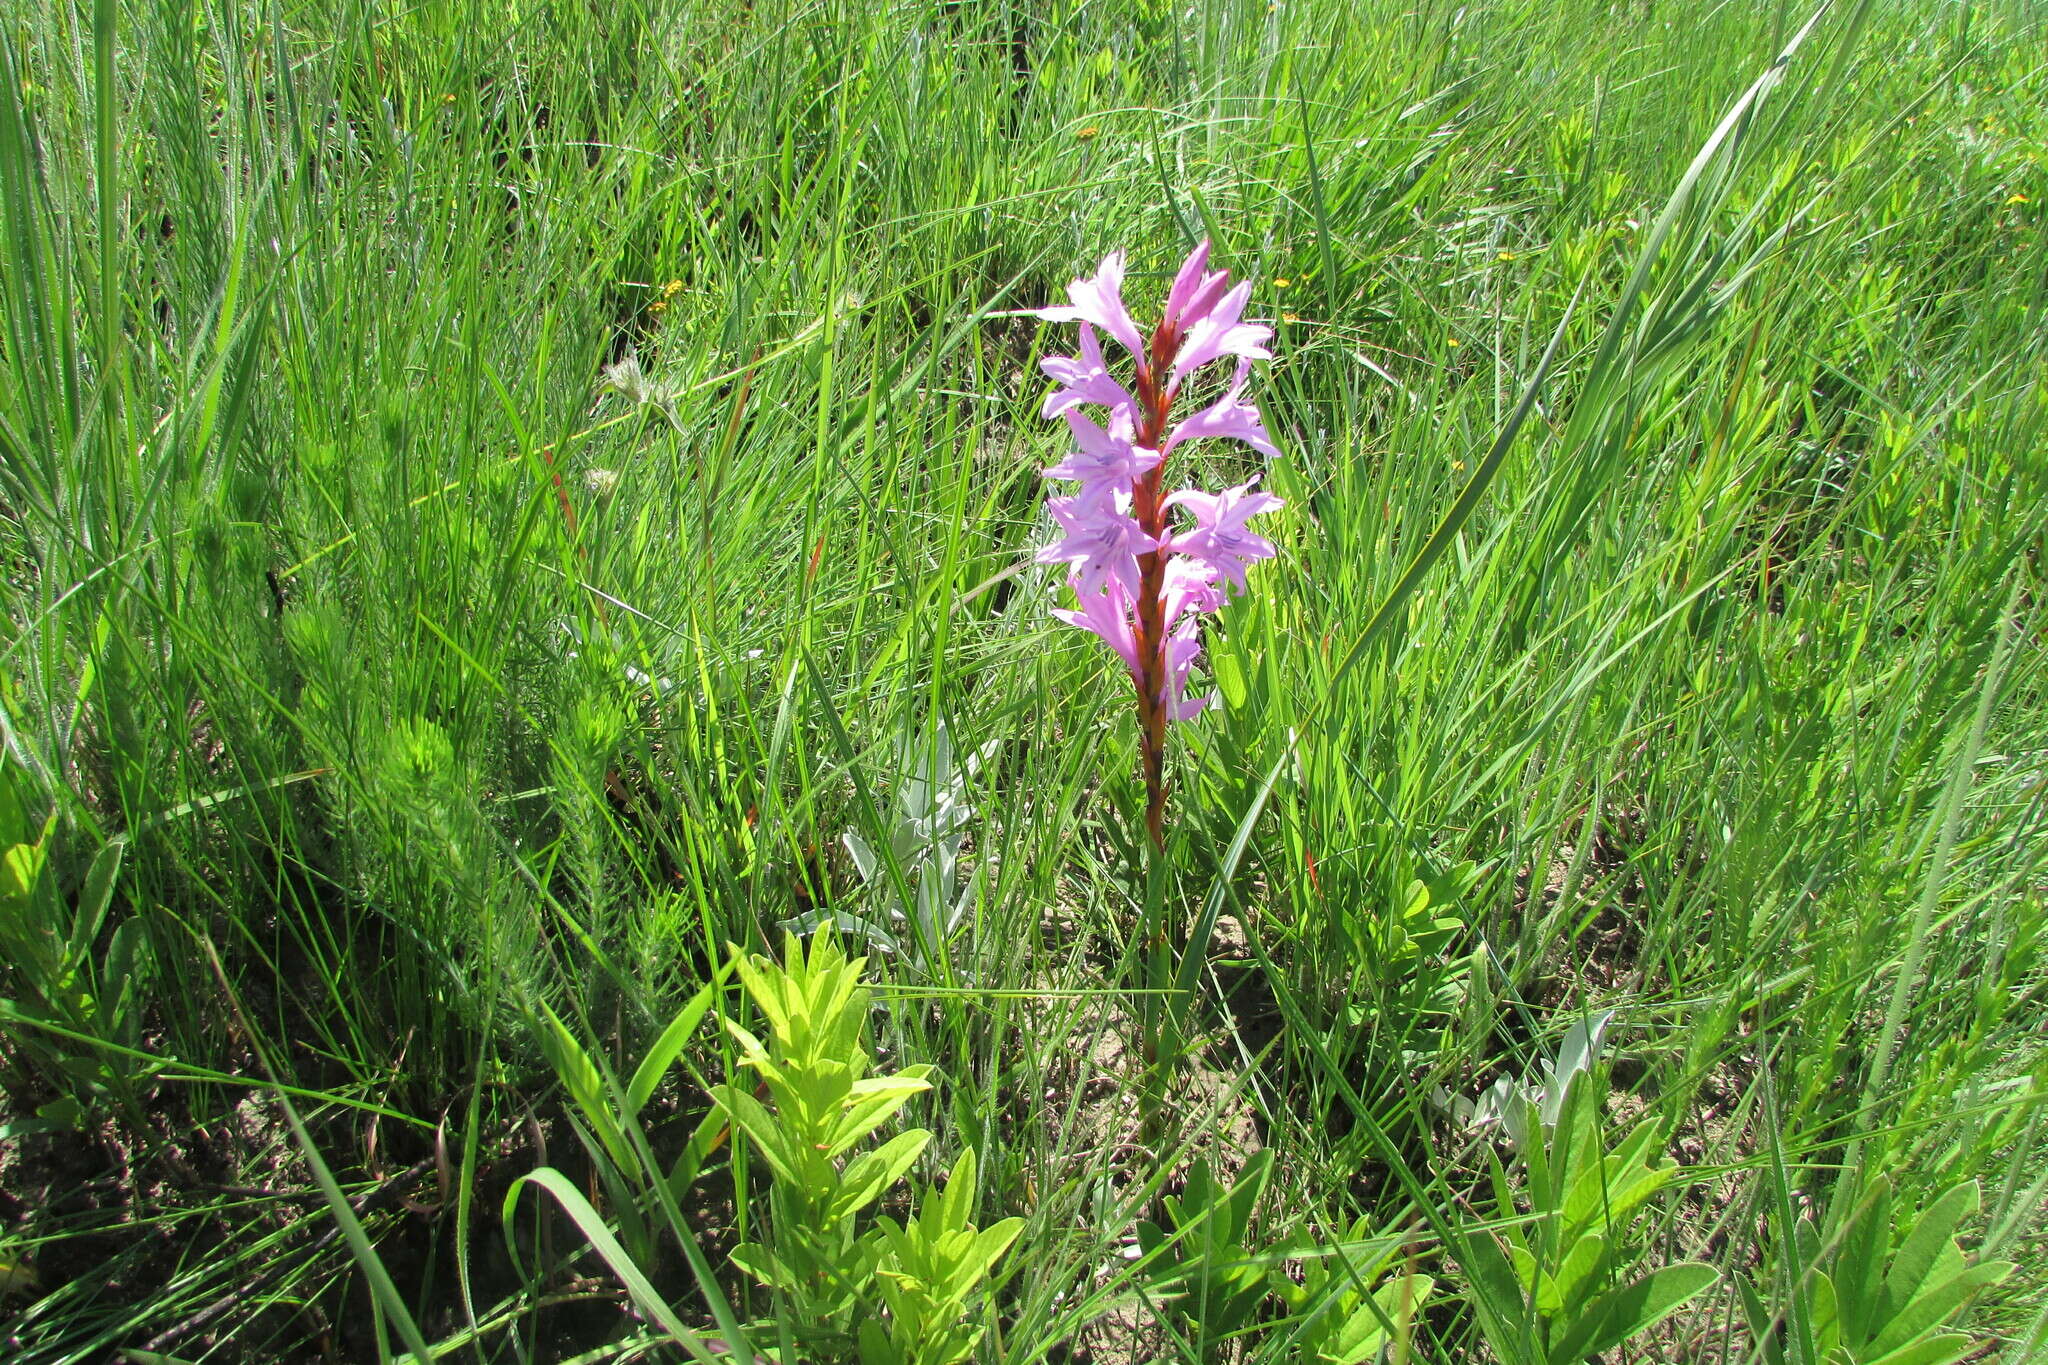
[(494, 494)]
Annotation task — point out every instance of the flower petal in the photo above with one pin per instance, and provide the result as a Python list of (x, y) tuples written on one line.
[(1099, 299), (1219, 537), (1106, 458), (1085, 379), (1103, 540), (1229, 416), (1106, 614), (1193, 273), (1219, 333)]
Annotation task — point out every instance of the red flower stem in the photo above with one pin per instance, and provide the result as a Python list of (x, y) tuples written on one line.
[(1148, 507)]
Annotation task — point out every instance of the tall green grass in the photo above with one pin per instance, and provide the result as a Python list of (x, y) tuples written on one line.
[(1660, 589)]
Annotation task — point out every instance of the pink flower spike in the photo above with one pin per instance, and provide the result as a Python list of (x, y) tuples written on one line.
[(1103, 540), (1217, 332), (1099, 300), (1219, 538), (1108, 615), (1105, 458), (1084, 379), (1228, 416)]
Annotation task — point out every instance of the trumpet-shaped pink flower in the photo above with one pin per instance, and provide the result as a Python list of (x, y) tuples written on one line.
[(1104, 459), (1100, 300), (1219, 538), (1216, 332), (1195, 289), (1191, 585), (1183, 647), (1103, 540), (1108, 614), (1084, 379), (1228, 416)]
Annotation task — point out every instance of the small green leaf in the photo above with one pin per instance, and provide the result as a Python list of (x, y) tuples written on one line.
[(1228, 672), (870, 1173), (585, 1084), (751, 1117), (1859, 1265), (14, 819), (93, 900), (875, 1102), (985, 1250), (1824, 1315), (1499, 1298), (1364, 1334), (20, 867), (662, 1055), (1576, 1270), (1620, 1314), (763, 1265), (18, 1277), (64, 1112), (1941, 1350), (1932, 1235), (1936, 1305), (956, 1205), (1758, 1318), (608, 1249)]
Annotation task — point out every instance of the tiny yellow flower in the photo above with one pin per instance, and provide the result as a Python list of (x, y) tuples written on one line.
[(1083, 134), (1505, 256), (1290, 317), (657, 306), (1453, 341), (447, 99), (1282, 282), (669, 290), (2012, 199)]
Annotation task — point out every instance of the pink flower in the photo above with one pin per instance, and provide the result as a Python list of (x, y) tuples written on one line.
[(1100, 300), (1105, 458), (1085, 379), (1194, 289), (1215, 331), (1228, 416), (1219, 538), (1108, 615), (1115, 558), (1191, 585), (1103, 539), (1183, 647)]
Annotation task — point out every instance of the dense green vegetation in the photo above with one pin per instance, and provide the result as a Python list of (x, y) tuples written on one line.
[(499, 503)]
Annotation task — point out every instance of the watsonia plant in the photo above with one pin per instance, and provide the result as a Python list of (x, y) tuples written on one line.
[(1143, 585)]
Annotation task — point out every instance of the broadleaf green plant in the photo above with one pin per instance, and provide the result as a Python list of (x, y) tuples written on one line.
[(1869, 1302), (927, 1269), (1338, 1317), (1202, 1262), (1558, 1286), (60, 994), (606, 1117), (914, 876), (822, 1110)]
